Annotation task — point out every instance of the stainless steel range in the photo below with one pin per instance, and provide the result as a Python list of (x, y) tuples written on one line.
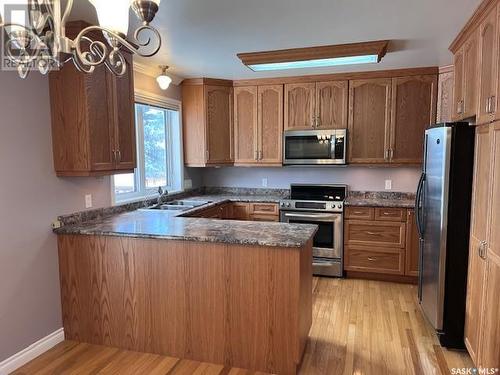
[(322, 205)]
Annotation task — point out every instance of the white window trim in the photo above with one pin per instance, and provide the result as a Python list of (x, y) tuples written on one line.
[(145, 97)]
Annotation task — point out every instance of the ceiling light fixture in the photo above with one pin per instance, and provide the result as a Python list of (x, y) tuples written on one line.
[(163, 80), (36, 35), (314, 57)]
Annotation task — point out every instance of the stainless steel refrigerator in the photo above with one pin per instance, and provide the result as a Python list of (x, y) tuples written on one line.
[(443, 208)]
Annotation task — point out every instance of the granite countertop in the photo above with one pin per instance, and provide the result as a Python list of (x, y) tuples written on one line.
[(171, 225), (381, 199)]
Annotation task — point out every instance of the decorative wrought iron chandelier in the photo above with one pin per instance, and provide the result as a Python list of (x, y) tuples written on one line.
[(35, 36)]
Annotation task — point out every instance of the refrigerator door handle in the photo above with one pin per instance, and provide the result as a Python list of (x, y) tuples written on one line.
[(418, 206)]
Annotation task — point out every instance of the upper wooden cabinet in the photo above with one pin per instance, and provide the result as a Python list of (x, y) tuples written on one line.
[(93, 123), (413, 111), (369, 120), (466, 78), (207, 122), (445, 94), (488, 68), (320, 105), (258, 125), (300, 106)]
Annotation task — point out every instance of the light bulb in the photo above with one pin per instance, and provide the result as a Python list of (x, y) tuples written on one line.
[(164, 81), (113, 15), (14, 12)]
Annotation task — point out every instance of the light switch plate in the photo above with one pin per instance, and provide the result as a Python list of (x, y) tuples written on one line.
[(388, 184), (88, 201), (264, 182)]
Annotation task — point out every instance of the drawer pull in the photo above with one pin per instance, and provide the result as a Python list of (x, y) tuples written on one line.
[(387, 213), (358, 212), (371, 233), (371, 259)]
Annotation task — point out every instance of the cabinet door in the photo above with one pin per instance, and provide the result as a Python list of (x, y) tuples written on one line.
[(445, 96), (496, 101), (471, 57), (124, 118), (479, 232), (488, 66), (219, 118), (490, 350), (458, 89), (369, 120), (412, 245), (270, 124), (299, 106), (413, 110), (245, 125), (331, 104)]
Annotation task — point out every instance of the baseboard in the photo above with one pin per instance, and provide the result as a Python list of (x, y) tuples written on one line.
[(31, 352)]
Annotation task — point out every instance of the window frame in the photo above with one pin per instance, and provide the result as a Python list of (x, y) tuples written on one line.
[(147, 98)]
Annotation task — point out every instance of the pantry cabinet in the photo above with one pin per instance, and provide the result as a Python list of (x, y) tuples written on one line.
[(258, 125), (488, 68), (320, 105), (207, 122), (445, 94)]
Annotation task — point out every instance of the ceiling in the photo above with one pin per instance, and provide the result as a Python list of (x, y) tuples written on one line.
[(202, 37)]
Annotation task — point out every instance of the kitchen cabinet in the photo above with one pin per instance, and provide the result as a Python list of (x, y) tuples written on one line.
[(320, 105), (488, 68), (412, 245), (479, 234), (93, 122), (241, 211), (299, 106), (258, 125), (369, 120), (381, 241), (207, 122), (413, 111), (445, 94), (466, 78)]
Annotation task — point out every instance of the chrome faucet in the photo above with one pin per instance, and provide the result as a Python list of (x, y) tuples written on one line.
[(161, 193)]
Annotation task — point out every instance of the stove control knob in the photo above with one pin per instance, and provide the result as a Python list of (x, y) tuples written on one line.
[(288, 205), (339, 206)]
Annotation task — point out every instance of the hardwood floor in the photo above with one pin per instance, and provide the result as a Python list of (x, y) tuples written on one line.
[(359, 327)]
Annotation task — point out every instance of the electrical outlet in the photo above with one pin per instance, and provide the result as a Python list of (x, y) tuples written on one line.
[(188, 184), (264, 182), (88, 201), (388, 184)]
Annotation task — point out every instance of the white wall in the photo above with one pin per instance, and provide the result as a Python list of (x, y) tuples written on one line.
[(358, 178)]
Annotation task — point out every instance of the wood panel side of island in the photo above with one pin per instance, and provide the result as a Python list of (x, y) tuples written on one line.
[(237, 305)]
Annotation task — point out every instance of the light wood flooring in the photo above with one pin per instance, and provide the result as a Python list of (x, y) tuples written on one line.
[(359, 327)]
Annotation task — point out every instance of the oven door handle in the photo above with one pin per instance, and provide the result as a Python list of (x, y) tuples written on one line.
[(314, 216)]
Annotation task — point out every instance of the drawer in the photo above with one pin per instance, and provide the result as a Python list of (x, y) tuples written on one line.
[(264, 208), (359, 213), (376, 260), (375, 233), (264, 217), (390, 214)]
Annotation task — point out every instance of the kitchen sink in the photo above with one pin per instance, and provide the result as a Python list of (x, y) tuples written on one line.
[(178, 205)]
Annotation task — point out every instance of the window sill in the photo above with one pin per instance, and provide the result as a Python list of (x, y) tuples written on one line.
[(141, 198)]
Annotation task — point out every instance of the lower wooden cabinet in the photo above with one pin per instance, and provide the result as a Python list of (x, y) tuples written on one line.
[(381, 240), (241, 211)]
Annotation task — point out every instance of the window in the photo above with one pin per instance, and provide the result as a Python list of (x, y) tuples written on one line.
[(159, 152)]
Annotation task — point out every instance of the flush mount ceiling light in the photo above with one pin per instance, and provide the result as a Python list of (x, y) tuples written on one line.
[(36, 35), (163, 80), (314, 57)]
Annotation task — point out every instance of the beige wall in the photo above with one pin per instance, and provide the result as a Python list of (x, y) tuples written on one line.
[(147, 83)]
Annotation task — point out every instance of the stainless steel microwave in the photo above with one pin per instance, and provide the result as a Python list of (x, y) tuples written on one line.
[(315, 147)]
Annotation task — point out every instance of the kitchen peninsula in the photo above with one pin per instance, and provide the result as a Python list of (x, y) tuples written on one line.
[(236, 293)]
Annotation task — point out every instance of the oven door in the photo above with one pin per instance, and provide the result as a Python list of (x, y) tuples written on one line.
[(313, 148), (328, 241)]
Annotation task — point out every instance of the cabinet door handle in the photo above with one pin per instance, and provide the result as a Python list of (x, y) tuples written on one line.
[(493, 106), (386, 155), (256, 155), (207, 153), (372, 259), (488, 105), (119, 153), (318, 121), (260, 155), (114, 155)]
